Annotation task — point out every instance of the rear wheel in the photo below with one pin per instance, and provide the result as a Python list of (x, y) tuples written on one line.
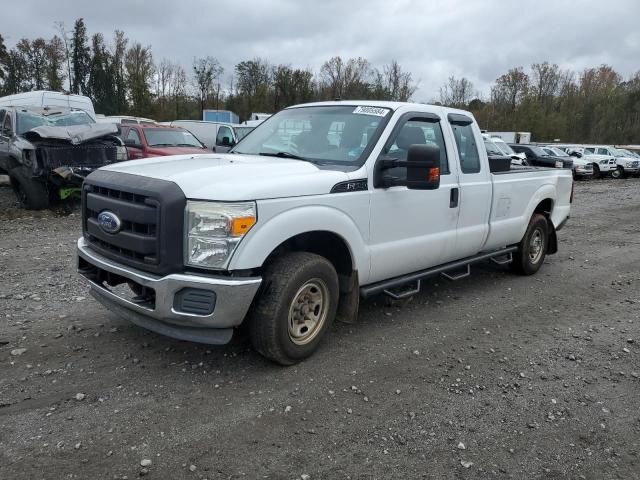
[(31, 193), (295, 308), (533, 247), (618, 173), (596, 171)]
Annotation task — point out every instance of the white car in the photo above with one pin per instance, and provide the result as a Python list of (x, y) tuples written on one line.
[(516, 158), (603, 165), (582, 168), (288, 231), (625, 164)]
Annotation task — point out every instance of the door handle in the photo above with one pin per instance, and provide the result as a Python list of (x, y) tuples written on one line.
[(453, 197)]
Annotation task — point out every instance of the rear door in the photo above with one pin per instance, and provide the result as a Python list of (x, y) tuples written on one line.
[(474, 201), (412, 230)]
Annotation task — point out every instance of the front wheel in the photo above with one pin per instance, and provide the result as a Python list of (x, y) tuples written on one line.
[(533, 247), (618, 173), (31, 193), (295, 308)]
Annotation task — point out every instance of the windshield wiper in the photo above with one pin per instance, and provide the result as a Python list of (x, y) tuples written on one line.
[(286, 155), (162, 145), (188, 145)]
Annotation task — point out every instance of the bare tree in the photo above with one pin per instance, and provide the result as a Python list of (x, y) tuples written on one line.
[(510, 88), (456, 92), (545, 80), (350, 79), (64, 36), (399, 84), (206, 72)]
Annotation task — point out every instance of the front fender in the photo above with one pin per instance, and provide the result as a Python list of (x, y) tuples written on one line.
[(261, 241)]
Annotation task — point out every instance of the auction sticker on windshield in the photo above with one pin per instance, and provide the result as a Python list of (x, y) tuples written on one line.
[(377, 111)]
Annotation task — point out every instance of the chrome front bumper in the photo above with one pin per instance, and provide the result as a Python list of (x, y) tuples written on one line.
[(233, 298)]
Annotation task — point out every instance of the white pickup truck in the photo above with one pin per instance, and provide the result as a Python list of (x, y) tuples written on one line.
[(321, 205)]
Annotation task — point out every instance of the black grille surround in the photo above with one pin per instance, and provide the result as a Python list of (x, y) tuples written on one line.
[(152, 216)]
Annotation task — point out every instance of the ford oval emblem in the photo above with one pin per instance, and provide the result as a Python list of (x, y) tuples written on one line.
[(109, 222)]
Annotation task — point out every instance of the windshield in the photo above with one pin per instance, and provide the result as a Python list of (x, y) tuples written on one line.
[(492, 148), (539, 152), (619, 153), (556, 152), (323, 135), (28, 120), (158, 137), (631, 153), (503, 146)]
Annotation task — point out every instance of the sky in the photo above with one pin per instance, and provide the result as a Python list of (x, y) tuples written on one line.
[(433, 39)]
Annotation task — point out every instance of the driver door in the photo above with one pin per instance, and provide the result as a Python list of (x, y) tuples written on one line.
[(411, 230)]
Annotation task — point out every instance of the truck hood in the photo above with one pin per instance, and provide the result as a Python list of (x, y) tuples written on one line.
[(234, 177), (74, 134), (165, 151)]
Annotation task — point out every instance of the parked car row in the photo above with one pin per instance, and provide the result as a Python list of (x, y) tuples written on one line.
[(606, 160)]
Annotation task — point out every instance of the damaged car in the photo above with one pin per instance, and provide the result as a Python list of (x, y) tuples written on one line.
[(47, 152)]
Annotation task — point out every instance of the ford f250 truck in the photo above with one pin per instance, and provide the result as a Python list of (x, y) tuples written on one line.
[(321, 205)]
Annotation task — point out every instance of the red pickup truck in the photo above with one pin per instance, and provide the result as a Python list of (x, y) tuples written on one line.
[(144, 141)]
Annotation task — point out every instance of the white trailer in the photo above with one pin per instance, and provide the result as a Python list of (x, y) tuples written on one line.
[(512, 137)]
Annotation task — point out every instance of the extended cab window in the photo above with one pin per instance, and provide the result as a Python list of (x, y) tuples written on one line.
[(603, 151), (133, 135), (415, 131), (467, 148)]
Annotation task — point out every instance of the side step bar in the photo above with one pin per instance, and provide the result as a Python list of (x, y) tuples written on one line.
[(380, 287)]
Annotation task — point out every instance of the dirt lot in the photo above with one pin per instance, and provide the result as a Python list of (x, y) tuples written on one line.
[(495, 376)]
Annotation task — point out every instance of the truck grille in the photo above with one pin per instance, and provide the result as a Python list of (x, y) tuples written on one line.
[(54, 156), (151, 215), (139, 214)]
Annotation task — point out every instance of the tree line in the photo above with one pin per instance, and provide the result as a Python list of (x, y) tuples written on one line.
[(121, 76)]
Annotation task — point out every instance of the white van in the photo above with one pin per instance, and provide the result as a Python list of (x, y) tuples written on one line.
[(46, 98), (212, 134)]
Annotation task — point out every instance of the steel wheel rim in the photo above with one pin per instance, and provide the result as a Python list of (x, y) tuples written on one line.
[(536, 245), (308, 311)]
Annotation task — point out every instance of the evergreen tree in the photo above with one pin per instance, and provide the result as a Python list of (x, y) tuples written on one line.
[(80, 57)]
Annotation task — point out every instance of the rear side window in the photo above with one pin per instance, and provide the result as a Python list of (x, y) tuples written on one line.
[(467, 148), (603, 151)]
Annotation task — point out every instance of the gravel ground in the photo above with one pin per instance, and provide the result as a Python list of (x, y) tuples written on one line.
[(494, 376)]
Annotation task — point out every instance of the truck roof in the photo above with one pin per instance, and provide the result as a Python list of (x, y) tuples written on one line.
[(386, 104)]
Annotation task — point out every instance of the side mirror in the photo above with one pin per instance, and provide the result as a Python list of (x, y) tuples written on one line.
[(423, 169), (226, 142), (130, 142)]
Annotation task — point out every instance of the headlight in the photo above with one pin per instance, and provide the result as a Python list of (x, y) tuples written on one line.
[(213, 231)]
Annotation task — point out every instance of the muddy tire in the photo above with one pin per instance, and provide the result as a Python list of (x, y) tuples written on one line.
[(532, 249), (31, 193), (295, 307), (618, 173)]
